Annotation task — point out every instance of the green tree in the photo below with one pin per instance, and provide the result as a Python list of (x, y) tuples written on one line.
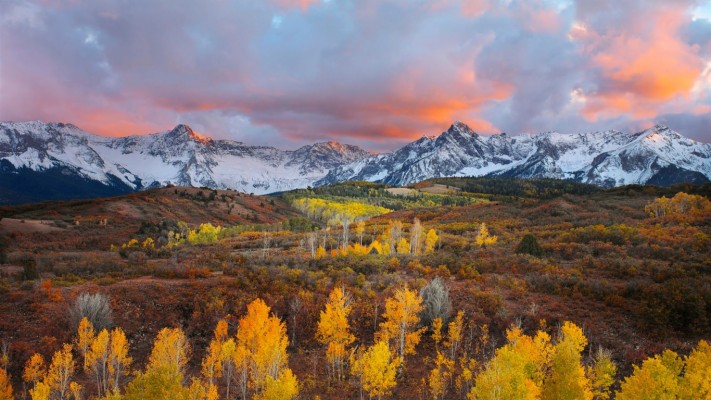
[(529, 245)]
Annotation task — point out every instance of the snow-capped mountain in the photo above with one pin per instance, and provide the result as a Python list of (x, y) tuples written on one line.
[(179, 156), (40, 161), (610, 158)]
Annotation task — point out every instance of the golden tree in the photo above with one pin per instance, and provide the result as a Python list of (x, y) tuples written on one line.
[(403, 246), (483, 238), (401, 320), (375, 370), (163, 377), (657, 378), (567, 380), (263, 336), (35, 369), (697, 373), (602, 374), (212, 363), (97, 361), (118, 362), (333, 330), (431, 241), (85, 335), (227, 359), (60, 371), (5, 386), (286, 387), (41, 391), (517, 369), (441, 376)]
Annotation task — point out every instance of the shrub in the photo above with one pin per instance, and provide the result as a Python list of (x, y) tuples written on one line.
[(95, 307), (435, 298)]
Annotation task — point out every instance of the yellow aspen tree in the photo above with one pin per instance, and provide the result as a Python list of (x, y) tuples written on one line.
[(375, 245), (416, 236), (264, 337), (200, 391), (437, 331), (241, 361), (567, 380), (227, 351), (483, 238), (118, 361), (5, 386), (440, 377), (431, 241), (401, 320), (333, 330), (35, 369), (602, 374), (657, 378), (696, 382), (285, 387), (212, 363), (465, 379), (517, 369), (75, 390), (97, 361), (164, 374), (359, 230), (85, 335), (403, 246), (376, 370), (60, 371), (454, 334), (171, 350), (320, 252), (40, 391)]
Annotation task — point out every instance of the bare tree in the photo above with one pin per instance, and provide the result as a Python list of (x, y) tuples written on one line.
[(312, 241), (266, 244), (95, 307), (416, 236), (435, 298), (295, 306)]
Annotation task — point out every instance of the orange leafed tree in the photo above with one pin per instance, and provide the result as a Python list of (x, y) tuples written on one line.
[(5, 387), (263, 336)]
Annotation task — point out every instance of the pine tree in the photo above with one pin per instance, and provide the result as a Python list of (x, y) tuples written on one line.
[(529, 245)]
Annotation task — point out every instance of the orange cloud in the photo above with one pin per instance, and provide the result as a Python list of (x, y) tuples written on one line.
[(640, 70)]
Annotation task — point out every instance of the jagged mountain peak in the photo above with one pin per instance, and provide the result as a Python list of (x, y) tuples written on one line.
[(606, 158), (185, 132)]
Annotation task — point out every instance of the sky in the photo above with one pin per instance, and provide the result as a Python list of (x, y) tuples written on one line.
[(375, 73)]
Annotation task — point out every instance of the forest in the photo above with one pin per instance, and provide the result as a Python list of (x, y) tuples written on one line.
[(488, 289)]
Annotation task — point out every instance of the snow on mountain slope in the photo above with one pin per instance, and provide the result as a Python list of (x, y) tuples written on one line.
[(62, 155), (609, 158), (179, 156)]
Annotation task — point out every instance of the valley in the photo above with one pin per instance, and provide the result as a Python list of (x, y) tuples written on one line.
[(627, 269)]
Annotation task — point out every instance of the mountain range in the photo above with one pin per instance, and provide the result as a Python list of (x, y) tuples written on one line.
[(47, 161)]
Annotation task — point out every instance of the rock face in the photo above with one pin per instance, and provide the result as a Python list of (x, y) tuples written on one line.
[(40, 161), (656, 156), (46, 161)]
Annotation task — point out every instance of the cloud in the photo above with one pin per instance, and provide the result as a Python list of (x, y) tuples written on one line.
[(375, 73)]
